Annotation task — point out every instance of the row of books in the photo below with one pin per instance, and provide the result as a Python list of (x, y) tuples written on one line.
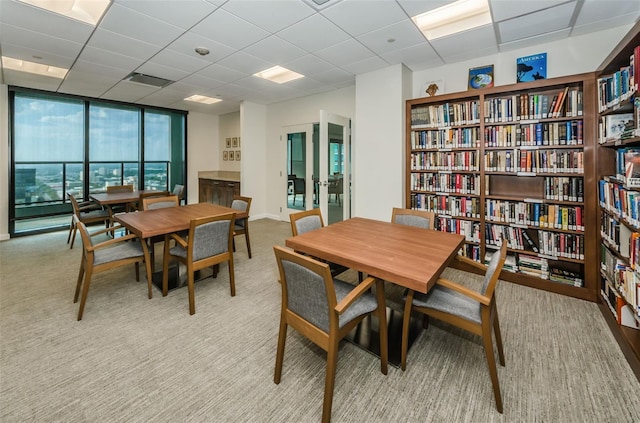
[(445, 160), (471, 251), (454, 183), (620, 286), (535, 134), (468, 228), (534, 161), (616, 127), (551, 244), (535, 214), (567, 277), (621, 85), (620, 201), (446, 138), (616, 234), (533, 266), (628, 166), (449, 205), (564, 188), (566, 102), (447, 114)]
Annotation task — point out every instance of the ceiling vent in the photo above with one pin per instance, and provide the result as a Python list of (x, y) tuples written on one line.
[(141, 78)]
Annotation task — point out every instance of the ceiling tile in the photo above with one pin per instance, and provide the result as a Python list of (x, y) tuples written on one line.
[(109, 58), (111, 41), (469, 44), (160, 71), (417, 57), (275, 50), (314, 33), (405, 34), (536, 40), (188, 42), (245, 63), (604, 24), (507, 9), (181, 13), (548, 20), (366, 65), (229, 30), (33, 40), (416, 7), (308, 65), (30, 80), (220, 73), (23, 53), (129, 91), (89, 67), (272, 15), (597, 10), (358, 17), (87, 83), (346, 52), (187, 63), (138, 26)]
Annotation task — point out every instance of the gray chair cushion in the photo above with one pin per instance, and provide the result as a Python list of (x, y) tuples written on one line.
[(413, 220), (119, 251), (491, 270), (94, 213), (161, 205), (307, 297), (308, 223), (449, 301)]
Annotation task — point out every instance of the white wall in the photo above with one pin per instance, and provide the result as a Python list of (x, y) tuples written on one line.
[(253, 166), (378, 153), (564, 57), (203, 149), (229, 128)]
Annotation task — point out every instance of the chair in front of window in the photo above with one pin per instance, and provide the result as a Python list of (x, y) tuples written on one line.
[(299, 189), (473, 311), (120, 208), (209, 243), (418, 218), (107, 255), (242, 204), (149, 194), (178, 190), (150, 202), (324, 310), (87, 214)]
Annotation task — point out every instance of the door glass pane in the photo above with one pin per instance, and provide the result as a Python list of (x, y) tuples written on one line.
[(296, 169), (335, 172)]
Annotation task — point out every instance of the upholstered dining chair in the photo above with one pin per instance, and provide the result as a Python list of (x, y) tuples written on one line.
[(149, 194), (88, 214), (209, 243), (473, 311), (149, 202), (324, 310), (242, 204), (106, 255), (299, 188), (178, 190), (410, 217), (120, 208), (336, 188), (310, 220)]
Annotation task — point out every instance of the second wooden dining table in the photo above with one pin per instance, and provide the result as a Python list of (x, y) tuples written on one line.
[(406, 256)]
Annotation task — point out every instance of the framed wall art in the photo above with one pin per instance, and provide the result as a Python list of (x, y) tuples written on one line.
[(234, 142), (228, 142), (225, 155), (237, 155), (481, 77), (231, 155)]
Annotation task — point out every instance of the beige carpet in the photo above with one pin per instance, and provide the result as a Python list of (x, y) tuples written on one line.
[(132, 359)]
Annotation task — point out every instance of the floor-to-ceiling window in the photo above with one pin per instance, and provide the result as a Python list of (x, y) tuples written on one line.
[(63, 144)]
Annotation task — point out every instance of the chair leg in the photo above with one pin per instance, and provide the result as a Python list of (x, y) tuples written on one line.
[(85, 291), (192, 297), (232, 278), (148, 266), (246, 237), (496, 330), (282, 339), (137, 265), (491, 361), (165, 269), (406, 318), (382, 325), (73, 237), (71, 225), (330, 378), (79, 284)]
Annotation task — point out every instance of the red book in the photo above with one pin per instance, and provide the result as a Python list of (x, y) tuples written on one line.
[(579, 218), (636, 66)]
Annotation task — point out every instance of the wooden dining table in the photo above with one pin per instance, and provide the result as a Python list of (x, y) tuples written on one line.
[(113, 198), (149, 223), (407, 256)]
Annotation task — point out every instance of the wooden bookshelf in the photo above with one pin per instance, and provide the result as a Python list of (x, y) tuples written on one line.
[(618, 223), (484, 161)]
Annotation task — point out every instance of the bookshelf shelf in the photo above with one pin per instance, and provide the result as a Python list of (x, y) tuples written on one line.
[(529, 163), (619, 194)]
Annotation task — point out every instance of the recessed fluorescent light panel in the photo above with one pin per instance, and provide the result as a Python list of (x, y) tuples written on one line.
[(202, 99), (459, 16), (89, 11), (278, 74), (32, 67)]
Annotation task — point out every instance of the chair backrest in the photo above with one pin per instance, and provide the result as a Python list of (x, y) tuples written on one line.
[(241, 203), (305, 221), (298, 185), (210, 236), (74, 204), (87, 241), (418, 218), (152, 203), (493, 271), (119, 188), (336, 186), (307, 287), (178, 190)]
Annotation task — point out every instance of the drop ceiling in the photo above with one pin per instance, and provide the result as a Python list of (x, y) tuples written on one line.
[(329, 44)]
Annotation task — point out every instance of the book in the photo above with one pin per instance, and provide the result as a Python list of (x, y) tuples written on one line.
[(632, 167), (615, 125)]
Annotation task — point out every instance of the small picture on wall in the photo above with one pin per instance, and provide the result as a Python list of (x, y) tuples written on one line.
[(237, 155), (228, 142), (231, 155), (235, 142), (481, 77), (531, 68), (225, 155), (238, 142)]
